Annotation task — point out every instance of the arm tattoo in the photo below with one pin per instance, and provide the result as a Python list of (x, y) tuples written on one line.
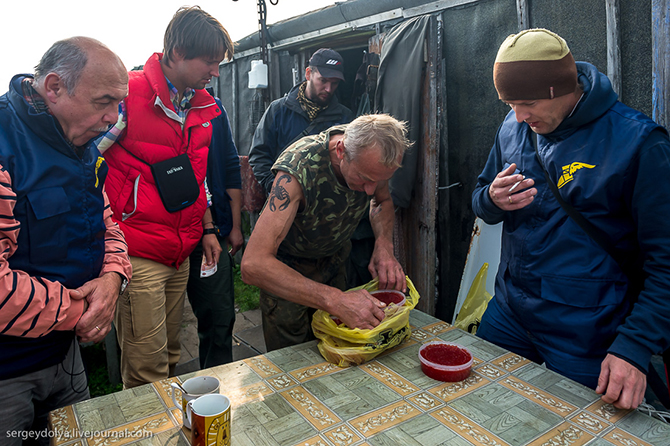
[(279, 193)]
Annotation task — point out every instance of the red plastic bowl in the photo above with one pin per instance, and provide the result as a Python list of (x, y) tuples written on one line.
[(445, 361), (389, 297)]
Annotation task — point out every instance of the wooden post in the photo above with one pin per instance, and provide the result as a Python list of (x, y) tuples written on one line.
[(522, 14), (419, 221), (613, 45), (660, 41)]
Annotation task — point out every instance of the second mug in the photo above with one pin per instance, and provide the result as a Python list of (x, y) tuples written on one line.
[(194, 387)]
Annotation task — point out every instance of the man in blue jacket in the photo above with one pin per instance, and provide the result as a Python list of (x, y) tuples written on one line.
[(308, 109), (560, 298), (63, 259), (212, 297)]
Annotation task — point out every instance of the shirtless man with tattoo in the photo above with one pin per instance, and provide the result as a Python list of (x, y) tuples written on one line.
[(297, 251)]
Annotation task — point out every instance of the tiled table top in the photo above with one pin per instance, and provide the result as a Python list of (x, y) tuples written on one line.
[(292, 397)]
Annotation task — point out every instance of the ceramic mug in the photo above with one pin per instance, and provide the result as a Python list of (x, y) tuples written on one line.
[(210, 417), (194, 387)]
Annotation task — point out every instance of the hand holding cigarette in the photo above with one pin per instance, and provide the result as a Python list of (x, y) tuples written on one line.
[(517, 183), (502, 190)]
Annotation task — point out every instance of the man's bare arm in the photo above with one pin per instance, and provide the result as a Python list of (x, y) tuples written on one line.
[(383, 263)]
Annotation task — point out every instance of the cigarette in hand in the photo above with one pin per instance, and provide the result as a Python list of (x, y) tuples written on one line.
[(516, 184)]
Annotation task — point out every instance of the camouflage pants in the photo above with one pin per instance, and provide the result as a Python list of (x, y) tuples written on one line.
[(286, 323)]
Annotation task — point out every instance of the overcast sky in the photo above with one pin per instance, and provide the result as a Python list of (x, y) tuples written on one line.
[(133, 29)]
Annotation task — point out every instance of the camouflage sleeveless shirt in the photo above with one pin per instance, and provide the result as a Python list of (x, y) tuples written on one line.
[(332, 211)]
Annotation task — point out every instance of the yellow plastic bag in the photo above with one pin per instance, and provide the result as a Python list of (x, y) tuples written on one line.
[(346, 346), (475, 304)]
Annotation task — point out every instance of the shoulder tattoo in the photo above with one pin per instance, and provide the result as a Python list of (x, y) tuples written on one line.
[(279, 195)]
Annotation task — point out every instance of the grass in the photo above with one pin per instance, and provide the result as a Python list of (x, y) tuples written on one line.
[(246, 296), (95, 359)]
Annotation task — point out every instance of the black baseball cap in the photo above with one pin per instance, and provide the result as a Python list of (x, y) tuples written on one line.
[(328, 62)]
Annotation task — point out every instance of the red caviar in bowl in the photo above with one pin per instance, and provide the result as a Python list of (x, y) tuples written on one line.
[(389, 297), (444, 361)]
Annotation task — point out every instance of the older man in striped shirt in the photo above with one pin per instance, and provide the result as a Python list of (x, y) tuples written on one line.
[(63, 260)]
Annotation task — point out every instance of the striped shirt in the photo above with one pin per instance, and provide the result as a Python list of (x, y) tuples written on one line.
[(24, 296)]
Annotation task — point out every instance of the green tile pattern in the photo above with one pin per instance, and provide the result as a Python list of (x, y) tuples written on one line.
[(281, 398)]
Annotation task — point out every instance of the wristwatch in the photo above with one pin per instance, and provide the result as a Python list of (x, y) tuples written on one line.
[(214, 230), (124, 283)]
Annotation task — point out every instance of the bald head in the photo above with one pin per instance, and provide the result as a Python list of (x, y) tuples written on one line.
[(67, 58), (82, 82)]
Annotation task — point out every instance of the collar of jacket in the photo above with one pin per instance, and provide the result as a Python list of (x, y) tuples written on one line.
[(293, 104), (43, 124), (156, 78), (598, 97)]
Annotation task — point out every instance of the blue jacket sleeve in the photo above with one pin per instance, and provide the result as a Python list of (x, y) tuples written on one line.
[(232, 158), (223, 170), (482, 205), (265, 148)]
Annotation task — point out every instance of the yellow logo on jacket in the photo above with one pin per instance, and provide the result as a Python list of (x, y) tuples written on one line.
[(97, 166), (569, 171)]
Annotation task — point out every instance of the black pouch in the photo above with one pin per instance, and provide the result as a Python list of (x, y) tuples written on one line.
[(176, 183)]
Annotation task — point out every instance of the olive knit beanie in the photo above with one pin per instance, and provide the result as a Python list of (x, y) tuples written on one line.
[(534, 64)]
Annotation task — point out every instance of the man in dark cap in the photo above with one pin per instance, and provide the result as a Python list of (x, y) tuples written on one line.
[(566, 292), (308, 109)]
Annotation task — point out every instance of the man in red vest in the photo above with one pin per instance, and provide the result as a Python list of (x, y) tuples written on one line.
[(158, 163)]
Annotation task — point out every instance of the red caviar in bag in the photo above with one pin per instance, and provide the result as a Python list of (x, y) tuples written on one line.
[(389, 297)]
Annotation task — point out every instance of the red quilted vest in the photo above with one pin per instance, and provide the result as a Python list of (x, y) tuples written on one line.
[(152, 135)]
